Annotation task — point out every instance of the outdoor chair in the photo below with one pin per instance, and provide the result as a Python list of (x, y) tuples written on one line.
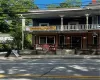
[(45, 48), (38, 48), (52, 48), (93, 52)]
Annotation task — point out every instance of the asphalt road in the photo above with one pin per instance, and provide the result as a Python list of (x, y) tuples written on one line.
[(50, 69)]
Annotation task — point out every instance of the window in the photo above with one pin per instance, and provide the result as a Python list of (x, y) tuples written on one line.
[(43, 24), (46, 40), (50, 40), (42, 40)]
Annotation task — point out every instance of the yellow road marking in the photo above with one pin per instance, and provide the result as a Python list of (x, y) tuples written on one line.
[(2, 76), (48, 76)]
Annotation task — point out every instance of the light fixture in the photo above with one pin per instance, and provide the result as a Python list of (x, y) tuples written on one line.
[(84, 37), (68, 37)]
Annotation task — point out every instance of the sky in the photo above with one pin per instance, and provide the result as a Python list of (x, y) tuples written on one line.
[(42, 3)]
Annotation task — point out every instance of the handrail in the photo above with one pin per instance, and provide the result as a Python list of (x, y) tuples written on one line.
[(66, 27)]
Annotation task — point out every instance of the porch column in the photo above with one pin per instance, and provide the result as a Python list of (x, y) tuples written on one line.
[(87, 22), (62, 27), (33, 39), (23, 27)]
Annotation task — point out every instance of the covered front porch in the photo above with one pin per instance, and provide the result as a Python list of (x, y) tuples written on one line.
[(67, 41)]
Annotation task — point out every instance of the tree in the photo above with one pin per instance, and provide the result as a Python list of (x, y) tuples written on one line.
[(52, 6), (66, 4), (10, 21)]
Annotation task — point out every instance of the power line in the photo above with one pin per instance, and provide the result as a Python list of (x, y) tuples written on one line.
[(46, 5), (54, 3)]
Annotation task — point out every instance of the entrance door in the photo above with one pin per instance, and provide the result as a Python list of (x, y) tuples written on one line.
[(61, 39), (76, 42)]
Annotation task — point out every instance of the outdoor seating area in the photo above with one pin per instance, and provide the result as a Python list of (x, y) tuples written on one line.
[(91, 50), (45, 49), (87, 52), (51, 48)]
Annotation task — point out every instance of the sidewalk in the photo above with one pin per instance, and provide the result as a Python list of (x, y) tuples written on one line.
[(60, 57), (52, 57)]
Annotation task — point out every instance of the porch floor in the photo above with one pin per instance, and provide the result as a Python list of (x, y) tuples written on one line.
[(67, 52)]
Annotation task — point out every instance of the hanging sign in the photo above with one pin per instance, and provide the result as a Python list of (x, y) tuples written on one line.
[(43, 28)]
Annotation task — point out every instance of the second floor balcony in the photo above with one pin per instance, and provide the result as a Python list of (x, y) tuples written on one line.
[(64, 27)]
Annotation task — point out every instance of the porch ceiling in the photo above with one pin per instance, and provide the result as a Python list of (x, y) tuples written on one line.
[(68, 13)]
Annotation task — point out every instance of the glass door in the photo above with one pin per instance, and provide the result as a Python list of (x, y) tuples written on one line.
[(76, 42), (61, 41)]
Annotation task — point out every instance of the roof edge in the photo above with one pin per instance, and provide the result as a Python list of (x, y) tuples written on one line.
[(54, 10)]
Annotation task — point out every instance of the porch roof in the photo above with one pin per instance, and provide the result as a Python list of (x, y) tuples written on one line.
[(58, 32), (67, 12)]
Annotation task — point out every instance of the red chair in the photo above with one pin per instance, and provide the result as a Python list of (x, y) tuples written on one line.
[(45, 48), (52, 48)]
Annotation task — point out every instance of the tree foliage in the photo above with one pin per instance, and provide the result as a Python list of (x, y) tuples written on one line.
[(10, 21), (66, 4), (52, 6), (9, 10)]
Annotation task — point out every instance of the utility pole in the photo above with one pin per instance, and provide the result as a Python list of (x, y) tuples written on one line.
[(23, 26)]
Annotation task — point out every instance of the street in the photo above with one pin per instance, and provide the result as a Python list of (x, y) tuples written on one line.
[(50, 69)]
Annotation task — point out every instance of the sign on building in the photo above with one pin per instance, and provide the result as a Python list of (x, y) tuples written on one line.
[(43, 28)]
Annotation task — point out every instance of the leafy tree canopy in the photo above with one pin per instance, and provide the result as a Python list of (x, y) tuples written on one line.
[(9, 10), (10, 21), (66, 4)]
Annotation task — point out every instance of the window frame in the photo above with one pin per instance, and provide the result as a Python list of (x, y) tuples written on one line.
[(46, 39), (39, 39)]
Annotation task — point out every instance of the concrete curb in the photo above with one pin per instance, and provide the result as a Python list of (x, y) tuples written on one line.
[(63, 57), (53, 57)]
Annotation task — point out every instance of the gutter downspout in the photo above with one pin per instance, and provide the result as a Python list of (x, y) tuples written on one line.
[(23, 27)]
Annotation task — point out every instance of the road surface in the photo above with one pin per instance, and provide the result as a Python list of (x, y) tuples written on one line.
[(50, 69)]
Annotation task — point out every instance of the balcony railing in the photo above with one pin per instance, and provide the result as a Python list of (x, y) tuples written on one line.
[(65, 27), (79, 27)]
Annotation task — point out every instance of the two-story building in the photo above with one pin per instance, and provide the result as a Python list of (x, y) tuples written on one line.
[(70, 27)]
